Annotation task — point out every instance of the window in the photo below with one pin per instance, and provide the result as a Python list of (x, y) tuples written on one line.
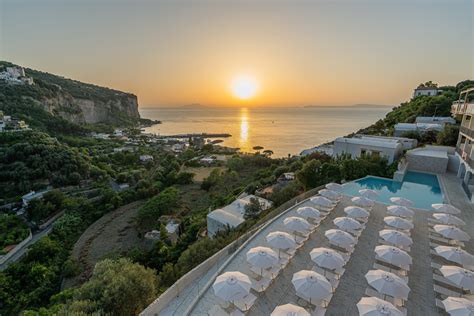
[(363, 151)]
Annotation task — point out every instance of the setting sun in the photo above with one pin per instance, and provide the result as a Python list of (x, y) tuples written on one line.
[(244, 87)]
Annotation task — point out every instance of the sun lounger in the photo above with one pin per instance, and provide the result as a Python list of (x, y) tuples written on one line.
[(441, 280), (401, 273), (405, 231), (246, 303), (383, 242), (347, 250), (216, 310), (444, 292), (390, 265), (444, 241), (305, 301), (397, 302), (260, 285)]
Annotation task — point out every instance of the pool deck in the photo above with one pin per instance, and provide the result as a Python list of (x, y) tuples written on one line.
[(352, 285)]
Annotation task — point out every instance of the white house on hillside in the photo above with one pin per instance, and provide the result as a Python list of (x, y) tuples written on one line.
[(401, 128), (442, 120), (390, 149), (428, 91), (232, 215)]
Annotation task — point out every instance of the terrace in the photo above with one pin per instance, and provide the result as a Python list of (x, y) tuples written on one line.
[(352, 285)]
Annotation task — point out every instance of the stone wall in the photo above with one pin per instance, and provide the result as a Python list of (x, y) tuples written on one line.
[(427, 164)]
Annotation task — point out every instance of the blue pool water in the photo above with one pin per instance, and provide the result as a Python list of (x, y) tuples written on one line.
[(421, 188)]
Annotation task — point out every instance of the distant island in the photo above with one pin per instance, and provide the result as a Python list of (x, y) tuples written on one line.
[(350, 106)]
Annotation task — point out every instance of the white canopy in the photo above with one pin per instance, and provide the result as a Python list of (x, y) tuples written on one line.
[(401, 201), (296, 224), (340, 237), (388, 283), (327, 258), (457, 255), (448, 219), (458, 306), (334, 187), (459, 276), (399, 210), (322, 201), (373, 306), (393, 255), (451, 232), (308, 212), (398, 222), (395, 237), (280, 240), (289, 310), (368, 193), (232, 286), (356, 212), (446, 208), (262, 257), (312, 285), (347, 223), (362, 201), (332, 195)]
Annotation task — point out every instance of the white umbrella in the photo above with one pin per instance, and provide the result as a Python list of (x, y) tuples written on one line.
[(347, 223), (398, 222), (308, 212), (280, 240), (368, 193), (312, 285), (296, 224), (334, 187), (401, 201), (395, 237), (393, 255), (399, 210), (327, 258), (459, 276), (340, 237), (322, 201), (332, 195), (458, 306), (232, 286), (262, 257), (451, 232), (387, 283), (356, 212), (289, 310), (373, 306), (446, 208), (457, 255), (362, 201), (449, 219)]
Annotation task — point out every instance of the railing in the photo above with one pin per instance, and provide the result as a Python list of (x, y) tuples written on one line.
[(196, 281), (467, 131), (459, 108)]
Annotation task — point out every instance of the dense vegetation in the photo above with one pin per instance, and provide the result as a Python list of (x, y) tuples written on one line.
[(12, 231)]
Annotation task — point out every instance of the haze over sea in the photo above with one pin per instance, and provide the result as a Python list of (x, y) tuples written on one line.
[(283, 130)]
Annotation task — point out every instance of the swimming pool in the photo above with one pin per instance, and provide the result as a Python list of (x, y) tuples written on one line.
[(421, 188)]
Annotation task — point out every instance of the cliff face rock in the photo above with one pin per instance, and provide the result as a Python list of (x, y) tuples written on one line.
[(72, 100), (80, 111)]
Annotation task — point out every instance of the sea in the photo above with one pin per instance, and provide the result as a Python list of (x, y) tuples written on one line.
[(285, 131)]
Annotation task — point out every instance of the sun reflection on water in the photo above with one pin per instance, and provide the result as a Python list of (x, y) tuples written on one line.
[(244, 130)]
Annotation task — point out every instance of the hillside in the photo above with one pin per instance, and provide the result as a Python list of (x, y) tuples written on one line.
[(64, 101), (407, 112)]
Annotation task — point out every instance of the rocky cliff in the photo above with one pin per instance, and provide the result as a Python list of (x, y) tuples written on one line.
[(74, 101)]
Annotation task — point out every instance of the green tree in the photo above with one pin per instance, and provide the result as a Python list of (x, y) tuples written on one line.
[(253, 209), (308, 175), (448, 136)]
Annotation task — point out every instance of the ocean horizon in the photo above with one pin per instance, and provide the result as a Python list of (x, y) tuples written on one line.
[(284, 130)]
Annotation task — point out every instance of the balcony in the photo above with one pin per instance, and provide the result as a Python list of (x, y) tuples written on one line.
[(464, 151), (467, 131), (461, 108)]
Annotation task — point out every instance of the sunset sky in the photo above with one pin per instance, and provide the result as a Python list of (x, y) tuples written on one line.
[(298, 52)]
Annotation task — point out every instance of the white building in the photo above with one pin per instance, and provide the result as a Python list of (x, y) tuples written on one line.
[(390, 149), (407, 143), (401, 128), (16, 72), (232, 215), (208, 160), (428, 91), (146, 158), (178, 147), (442, 120)]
